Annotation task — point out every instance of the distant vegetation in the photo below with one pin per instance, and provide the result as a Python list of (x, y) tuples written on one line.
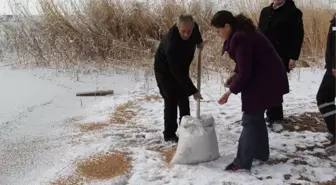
[(113, 34)]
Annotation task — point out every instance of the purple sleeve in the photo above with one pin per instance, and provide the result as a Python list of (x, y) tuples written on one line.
[(243, 65)]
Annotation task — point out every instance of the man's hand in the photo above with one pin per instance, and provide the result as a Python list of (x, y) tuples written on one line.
[(292, 64), (198, 96), (334, 72), (229, 80), (200, 46), (224, 99)]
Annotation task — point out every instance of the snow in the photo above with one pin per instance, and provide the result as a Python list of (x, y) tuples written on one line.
[(40, 140), (36, 106)]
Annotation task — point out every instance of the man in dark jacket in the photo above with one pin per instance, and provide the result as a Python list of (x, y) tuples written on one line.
[(282, 24), (171, 66), (326, 93)]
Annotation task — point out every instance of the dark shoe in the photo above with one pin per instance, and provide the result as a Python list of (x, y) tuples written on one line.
[(332, 142), (232, 167), (331, 147), (172, 138), (269, 121), (331, 150), (272, 121)]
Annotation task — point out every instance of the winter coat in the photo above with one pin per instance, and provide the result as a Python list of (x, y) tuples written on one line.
[(330, 49), (173, 59), (261, 77), (284, 28)]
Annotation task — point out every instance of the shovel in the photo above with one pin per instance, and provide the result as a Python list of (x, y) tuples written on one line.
[(198, 106)]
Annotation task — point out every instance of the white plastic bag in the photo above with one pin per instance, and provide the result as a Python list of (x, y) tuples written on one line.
[(197, 141)]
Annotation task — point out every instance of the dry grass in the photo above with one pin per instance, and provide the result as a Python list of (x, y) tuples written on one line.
[(327, 183), (153, 97), (168, 154), (113, 34), (309, 121), (124, 113), (277, 161), (104, 167), (89, 127), (316, 24)]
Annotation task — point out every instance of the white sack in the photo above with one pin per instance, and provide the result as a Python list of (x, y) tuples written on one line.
[(197, 141)]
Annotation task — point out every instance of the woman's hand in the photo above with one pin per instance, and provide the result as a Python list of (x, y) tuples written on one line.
[(224, 99)]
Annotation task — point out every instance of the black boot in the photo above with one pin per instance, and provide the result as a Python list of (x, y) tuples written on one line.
[(333, 139), (270, 122), (171, 137), (331, 148)]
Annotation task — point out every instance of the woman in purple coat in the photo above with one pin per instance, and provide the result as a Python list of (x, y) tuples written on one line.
[(259, 76)]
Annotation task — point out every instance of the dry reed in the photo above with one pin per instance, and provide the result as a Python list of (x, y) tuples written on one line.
[(124, 113), (168, 154), (328, 183), (111, 34), (89, 127)]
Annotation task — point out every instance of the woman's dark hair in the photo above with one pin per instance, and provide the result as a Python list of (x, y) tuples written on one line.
[(239, 22)]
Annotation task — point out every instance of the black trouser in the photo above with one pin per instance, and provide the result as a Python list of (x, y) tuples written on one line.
[(253, 141), (275, 113), (174, 96), (326, 101)]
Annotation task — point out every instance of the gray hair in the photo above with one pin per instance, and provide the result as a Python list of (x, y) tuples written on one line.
[(183, 18)]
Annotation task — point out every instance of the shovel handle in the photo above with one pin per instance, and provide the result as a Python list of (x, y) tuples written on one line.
[(198, 107)]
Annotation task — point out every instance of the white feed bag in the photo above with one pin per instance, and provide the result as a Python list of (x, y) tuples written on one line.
[(197, 141)]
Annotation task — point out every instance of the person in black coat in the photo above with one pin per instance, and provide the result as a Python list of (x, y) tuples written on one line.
[(172, 61), (282, 24), (326, 93)]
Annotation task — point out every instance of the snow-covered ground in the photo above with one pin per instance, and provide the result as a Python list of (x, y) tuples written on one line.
[(36, 112), (40, 138)]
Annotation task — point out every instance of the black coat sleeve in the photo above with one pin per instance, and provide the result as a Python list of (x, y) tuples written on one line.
[(197, 34), (175, 61), (333, 43), (297, 35), (261, 22)]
